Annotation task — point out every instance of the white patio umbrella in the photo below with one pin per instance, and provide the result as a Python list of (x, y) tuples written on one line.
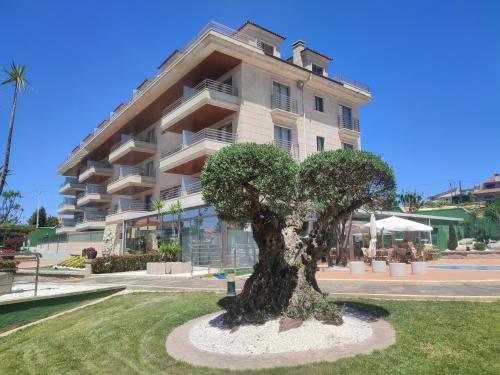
[(397, 224), (372, 249)]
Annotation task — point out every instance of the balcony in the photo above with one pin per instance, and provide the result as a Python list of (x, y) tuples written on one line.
[(93, 220), (94, 195), (188, 158), (66, 225), (348, 129), (132, 150), (71, 186), (126, 209), (95, 172), (292, 148), (189, 195), (206, 103), (130, 181), (283, 109), (67, 206)]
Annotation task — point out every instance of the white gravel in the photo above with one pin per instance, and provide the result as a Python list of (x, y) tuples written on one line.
[(211, 336), (24, 290)]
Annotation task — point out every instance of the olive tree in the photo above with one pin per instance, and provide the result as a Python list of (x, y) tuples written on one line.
[(263, 185)]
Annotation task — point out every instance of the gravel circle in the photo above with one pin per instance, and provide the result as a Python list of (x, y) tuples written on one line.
[(210, 335)]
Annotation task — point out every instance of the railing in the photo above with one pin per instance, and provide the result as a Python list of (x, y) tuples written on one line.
[(170, 193), (352, 82), (292, 148), (207, 84), (124, 206), (348, 123), (283, 102), (96, 164), (207, 133), (125, 171), (129, 138), (67, 223), (97, 216), (67, 201), (192, 188), (71, 181), (92, 189)]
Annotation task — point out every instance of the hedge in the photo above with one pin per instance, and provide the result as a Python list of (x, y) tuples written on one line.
[(123, 263)]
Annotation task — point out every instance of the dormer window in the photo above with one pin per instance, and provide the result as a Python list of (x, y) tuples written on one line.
[(317, 69), (267, 48)]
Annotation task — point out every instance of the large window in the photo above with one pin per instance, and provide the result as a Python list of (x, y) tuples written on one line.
[(318, 104), (283, 137), (149, 170), (346, 117), (320, 144), (317, 69), (267, 48)]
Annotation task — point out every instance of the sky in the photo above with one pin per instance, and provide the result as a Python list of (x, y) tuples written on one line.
[(433, 68)]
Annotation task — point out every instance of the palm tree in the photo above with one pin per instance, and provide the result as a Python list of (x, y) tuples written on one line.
[(158, 205), (15, 75), (176, 209)]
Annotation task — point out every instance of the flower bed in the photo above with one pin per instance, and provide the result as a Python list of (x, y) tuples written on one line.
[(123, 263)]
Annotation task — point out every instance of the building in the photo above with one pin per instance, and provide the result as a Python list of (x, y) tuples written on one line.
[(456, 195), (489, 189), (226, 86)]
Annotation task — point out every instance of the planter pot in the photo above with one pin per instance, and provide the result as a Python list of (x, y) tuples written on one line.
[(156, 268), (418, 268), (397, 269), (179, 267), (91, 254), (6, 280), (379, 266), (357, 268)]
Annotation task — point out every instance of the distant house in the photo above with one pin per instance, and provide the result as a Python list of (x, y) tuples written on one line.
[(455, 195), (489, 189)]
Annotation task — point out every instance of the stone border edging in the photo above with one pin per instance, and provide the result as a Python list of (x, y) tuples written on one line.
[(180, 348)]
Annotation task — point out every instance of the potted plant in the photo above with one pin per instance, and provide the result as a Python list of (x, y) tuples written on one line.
[(357, 267), (379, 265), (396, 267), (91, 253), (418, 265), (8, 268)]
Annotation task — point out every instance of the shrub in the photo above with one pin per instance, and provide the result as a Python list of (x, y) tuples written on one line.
[(170, 251), (123, 263), (452, 237), (8, 265), (74, 261), (479, 246)]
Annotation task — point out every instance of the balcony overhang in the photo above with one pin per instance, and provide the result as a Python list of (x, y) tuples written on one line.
[(207, 107), (130, 185), (95, 175), (93, 199), (132, 152), (61, 230), (120, 217), (190, 160), (90, 225), (71, 188), (189, 200), (67, 209), (280, 116), (348, 135)]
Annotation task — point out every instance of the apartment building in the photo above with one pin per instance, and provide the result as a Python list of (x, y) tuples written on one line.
[(489, 189), (226, 86)]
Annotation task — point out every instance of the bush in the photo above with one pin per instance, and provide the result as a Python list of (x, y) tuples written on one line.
[(8, 265), (74, 261), (123, 263), (170, 251), (452, 237), (479, 246)]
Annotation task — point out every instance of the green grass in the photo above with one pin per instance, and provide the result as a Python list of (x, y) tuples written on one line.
[(126, 335), (239, 271), (18, 314)]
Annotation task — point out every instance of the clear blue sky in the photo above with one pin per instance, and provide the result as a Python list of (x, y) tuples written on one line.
[(433, 67)]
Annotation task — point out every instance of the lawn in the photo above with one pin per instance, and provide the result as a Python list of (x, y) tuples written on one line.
[(17, 314), (126, 335)]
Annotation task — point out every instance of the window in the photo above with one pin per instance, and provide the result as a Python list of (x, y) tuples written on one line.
[(281, 97), (148, 199), (318, 104), (228, 81), (150, 136), (226, 133), (346, 117), (317, 69), (267, 48), (150, 169), (320, 144), (347, 146), (283, 137)]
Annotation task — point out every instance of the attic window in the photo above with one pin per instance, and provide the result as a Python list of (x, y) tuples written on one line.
[(317, 69), (267, 48)]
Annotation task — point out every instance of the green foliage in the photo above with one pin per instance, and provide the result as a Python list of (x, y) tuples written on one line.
[(10, 207), (74, 261), (492, 213), (452, 237), (8, 265), (242, 175), (412, 200), (122, 263), (16, 75), (479, 246), (175, 208), (43, 219), (170, 251), (342, 181)]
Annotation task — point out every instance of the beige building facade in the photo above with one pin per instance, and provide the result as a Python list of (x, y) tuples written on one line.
[(227, 86)]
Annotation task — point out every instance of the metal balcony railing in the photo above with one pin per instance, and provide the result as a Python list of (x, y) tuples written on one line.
[(67, 223), (283, 102), (72, 181), (348, 123), (207, 133), (292, 148), (90, 216), (352, 82), (193, 188), (125, 138), (67, 201), (96, 164), (126, 206), (207, 84), (92, 189), (170, 193), (125, 171)]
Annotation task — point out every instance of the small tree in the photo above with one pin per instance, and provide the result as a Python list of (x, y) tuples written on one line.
[(412, 200), (42, 218), (176, 209), (10, 208), (262, 184), (158, 205), (492, 213), (452, 237)]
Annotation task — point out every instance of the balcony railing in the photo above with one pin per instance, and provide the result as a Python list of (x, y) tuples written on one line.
[(67, 223), (126, 206), (194, 187), (97, 165), (92, 189), (207, 133), (292, 148), (124, 171), (170, 193), (91, 216), (129, 138), (283, 102), (207, 84), (348, 123), (71, 181), (352, 82), (67, 201)]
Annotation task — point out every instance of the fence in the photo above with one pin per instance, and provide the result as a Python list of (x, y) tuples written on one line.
[(19, 274)]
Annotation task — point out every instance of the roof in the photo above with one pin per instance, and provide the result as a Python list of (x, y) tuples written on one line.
[(317, 53), (169, 57), (262, 28)]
